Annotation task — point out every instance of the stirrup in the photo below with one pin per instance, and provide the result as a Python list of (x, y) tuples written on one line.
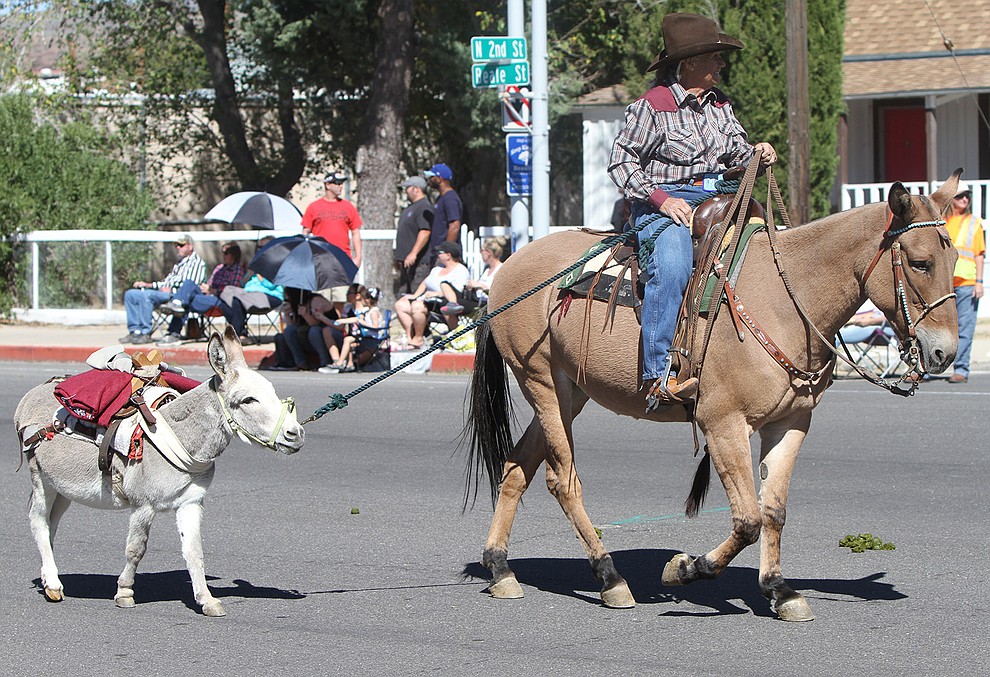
[(669, 391)]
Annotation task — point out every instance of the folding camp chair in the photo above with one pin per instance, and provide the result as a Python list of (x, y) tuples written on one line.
[(381, 360), (877, 350)]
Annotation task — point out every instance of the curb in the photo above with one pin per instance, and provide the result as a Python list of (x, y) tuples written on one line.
[(443, 362)]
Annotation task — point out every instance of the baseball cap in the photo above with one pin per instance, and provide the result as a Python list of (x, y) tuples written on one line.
[(182, 239), (451, 248), (963, 188), (441, 170), (417, 181), (335, 176)]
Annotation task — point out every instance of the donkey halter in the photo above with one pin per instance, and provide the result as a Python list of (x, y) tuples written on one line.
[(900, 276), (288, 406)]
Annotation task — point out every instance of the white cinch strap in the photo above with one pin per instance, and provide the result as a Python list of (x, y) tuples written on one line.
[(164, 440)]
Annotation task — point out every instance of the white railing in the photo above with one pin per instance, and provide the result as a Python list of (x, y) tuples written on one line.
[(859, 194), (471, 245)]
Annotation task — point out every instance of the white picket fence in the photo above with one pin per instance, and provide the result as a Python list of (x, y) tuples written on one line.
[(859, 194)]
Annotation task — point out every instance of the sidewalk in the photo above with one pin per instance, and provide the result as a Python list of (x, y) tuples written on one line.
[(29, 342)]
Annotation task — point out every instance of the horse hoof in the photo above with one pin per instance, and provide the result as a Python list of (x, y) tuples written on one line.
[(213, 609), (124, 601), (795, 609), (54, 595), (673, 572), (506, 588), (618, 597)]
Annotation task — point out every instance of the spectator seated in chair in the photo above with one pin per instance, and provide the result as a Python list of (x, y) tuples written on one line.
[(141, 301), (200, 298), (475, 292), (413, 310), (302, 340), (258, 295), (367, 329)]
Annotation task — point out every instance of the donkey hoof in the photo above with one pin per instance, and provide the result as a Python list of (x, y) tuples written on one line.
[(795, 609), (54, 594), (506, 588), (674, 573), (618, 597), (124, 601), (213, 609)]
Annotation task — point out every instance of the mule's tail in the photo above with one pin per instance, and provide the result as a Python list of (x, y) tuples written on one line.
[(489, 417), (699, 488)]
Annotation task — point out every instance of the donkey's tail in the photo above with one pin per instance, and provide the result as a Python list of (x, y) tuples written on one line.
[(489, 417), (699, 488)]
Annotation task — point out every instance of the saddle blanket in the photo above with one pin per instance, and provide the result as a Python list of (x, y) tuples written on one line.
[(97, 395), (619, 271)]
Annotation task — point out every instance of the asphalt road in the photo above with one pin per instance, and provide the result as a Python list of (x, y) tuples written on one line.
[(312, 589)]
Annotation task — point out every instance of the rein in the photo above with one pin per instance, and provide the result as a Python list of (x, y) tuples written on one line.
[(910, 352), (288, 406)]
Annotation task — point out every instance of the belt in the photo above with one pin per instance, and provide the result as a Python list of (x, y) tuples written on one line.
[(700, 180)]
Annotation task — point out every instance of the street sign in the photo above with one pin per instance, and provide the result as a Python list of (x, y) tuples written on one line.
[(516, 109), (518, 165), (487, 49), (498, 74)]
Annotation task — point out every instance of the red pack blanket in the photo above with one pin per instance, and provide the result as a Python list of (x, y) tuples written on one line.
[(98, 394)]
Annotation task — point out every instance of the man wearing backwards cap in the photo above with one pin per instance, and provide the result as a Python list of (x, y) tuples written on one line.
[(677, 140), (141, 301), (448, 212), (966, 231), (336, 220)]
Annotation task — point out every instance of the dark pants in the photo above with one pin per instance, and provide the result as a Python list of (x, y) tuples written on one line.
[(236, 313)]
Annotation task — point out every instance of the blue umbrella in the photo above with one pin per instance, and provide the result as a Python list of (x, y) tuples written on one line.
[(304, 262)]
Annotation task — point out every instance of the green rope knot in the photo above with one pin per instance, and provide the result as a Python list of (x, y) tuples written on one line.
[(337, 401)]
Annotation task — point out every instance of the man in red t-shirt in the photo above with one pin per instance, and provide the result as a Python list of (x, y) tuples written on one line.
[(336, 220)]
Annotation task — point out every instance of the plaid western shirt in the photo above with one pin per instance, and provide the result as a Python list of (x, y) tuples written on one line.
[(672, 136), (189, 268), (226, 275)]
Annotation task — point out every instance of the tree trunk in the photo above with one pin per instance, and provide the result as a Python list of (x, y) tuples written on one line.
[(378, 157), (227, 113)]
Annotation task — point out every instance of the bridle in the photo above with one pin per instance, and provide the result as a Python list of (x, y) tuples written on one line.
[(288, 406), (910, 352)]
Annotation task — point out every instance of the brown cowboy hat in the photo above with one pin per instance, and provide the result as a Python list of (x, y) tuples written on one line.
[(686, 35)]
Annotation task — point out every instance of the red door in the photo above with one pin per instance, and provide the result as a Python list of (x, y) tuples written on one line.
[(904, 157)]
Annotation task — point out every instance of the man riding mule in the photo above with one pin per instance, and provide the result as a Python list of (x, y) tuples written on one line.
[(678, 139), (799, 286)]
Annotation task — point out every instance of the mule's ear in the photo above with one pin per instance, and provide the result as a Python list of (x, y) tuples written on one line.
[(899, 201), (232, 345), (217, 353), (948, 190)]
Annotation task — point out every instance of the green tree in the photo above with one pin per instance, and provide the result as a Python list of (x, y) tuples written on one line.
[(58, 177)]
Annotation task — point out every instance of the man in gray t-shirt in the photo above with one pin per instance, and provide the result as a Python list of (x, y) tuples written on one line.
[(411, 255)]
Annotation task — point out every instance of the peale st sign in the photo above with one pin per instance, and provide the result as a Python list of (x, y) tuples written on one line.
[(499, 74)]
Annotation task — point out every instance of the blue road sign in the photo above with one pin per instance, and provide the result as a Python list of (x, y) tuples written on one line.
[(518, 165)]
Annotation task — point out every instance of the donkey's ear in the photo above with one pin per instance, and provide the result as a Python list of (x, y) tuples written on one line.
[(899, 201), (948, 190), (217, 353)]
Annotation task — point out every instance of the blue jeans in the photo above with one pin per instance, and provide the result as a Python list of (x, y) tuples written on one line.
[(966, 307), (193, 299), (139, 304), (298, 339), (668, 271)]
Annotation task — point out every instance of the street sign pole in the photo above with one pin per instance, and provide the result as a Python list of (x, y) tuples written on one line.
[(518, 206), (541, 124)]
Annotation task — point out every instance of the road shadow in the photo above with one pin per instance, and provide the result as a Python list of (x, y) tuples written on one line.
[(163, 586), (572, 577)]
